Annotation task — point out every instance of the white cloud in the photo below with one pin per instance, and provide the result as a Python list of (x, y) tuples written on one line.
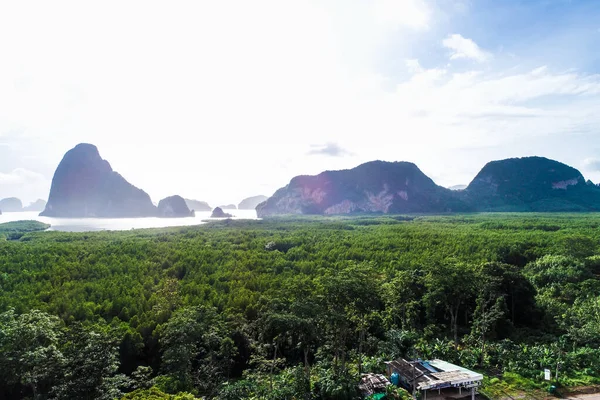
[(411, 13), (465, 48), (437, 112), (20, 176), (25, 184), (539, 71), (330, 149), (592, 164), (413, 66), (199, 100), (475, 93)]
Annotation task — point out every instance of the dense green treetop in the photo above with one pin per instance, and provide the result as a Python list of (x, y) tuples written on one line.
[(295, 307)]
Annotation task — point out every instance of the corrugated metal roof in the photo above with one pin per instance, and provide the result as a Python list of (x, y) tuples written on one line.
[(446, 366), (373, 383), (435, 374)]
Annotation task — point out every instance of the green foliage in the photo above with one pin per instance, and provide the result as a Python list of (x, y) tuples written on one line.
[(196, 349), (394, 392), (242, 389), (91, 366), (29, 348), (15, 230), (218, 312), (511, 385), (331, 385), (156, 394)]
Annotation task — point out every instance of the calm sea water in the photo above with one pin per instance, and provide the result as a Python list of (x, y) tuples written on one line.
[(118, 224)]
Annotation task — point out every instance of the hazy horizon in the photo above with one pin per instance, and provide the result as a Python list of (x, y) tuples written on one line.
[(219, 102)]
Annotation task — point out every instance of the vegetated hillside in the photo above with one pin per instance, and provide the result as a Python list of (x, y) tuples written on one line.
[(532, 184), (15, 230), (85, 185), (517, 184), (295, 308), (373, 187)]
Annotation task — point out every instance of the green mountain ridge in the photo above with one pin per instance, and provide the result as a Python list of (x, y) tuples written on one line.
[(516, 184), (531, 184)]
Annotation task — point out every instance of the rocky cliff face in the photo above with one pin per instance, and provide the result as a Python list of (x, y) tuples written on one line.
[(531, 184), (11, 204), (84, 185), (173, 207), (373, 187), (518, 184), (250, 203)]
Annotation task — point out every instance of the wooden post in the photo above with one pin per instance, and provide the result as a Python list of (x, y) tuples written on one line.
[(472, 393), (413, 380)]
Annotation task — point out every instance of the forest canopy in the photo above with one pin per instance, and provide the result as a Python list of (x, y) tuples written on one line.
[(296, 308)]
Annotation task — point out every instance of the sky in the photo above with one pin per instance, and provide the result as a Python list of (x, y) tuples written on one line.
[(221, 100)]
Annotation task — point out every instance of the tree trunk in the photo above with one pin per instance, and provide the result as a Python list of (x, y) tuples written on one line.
[(273, 367), (482, 348), (343, 351), (452, 318), (336, 357), (512, 304), (361, 336), (482, 327), (454, 321), (306, 364)]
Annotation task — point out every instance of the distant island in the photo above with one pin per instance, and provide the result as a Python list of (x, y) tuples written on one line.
[(219, 213), (13, 204), (517, 185), (250, 203), (85, 185), (174, 207), (197, 205), (38, 205)]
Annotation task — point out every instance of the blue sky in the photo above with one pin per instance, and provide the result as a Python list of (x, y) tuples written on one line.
[(220, 101)]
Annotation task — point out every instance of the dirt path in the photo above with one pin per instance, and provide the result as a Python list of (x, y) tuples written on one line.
[(591, 392), (591, 396)]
